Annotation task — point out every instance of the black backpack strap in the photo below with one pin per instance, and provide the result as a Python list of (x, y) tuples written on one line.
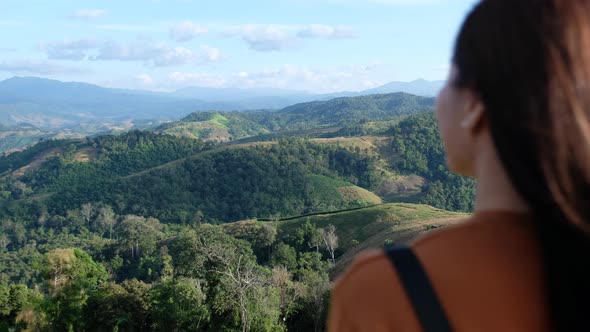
[(419, 289)]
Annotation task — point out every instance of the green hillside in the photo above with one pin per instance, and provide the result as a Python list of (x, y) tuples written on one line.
[(342, 112), (373, 113), (173, 178), (216, 126), (416, 149), (357, 226), (20, 137)]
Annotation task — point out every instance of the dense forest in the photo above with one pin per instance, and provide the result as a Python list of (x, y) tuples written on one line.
[(173, 178), (154, 230), (145, 275), (419, 150)]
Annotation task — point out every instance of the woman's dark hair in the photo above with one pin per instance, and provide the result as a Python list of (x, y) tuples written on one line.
[(529, 62)]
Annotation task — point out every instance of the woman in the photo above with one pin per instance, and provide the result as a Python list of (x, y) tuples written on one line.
[(515, 114)]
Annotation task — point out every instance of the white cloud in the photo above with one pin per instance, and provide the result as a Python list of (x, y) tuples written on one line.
[(38, 67), (264, 38), (167, 1), (69, 49), (406, 2), (186, 31), (159, 55), (88, 14), (380, 2), (155, 54), (329, 79), (326, 31), (211, 53), (145, 79), (180, 79), (131, 27), (272, 37)]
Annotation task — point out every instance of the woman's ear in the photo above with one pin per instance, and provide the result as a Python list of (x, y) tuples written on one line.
[(474, 117)]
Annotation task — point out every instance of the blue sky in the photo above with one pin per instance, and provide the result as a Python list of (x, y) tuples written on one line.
[(313, 45)]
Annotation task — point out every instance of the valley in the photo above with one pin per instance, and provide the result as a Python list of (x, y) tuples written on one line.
[(166, 213)]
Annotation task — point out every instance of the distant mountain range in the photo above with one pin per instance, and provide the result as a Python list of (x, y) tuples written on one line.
[(280, 98), (51, 104)]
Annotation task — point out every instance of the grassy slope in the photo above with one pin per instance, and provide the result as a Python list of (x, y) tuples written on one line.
[(334, 190), (363, 224), (395, 234), (222, 127), (373, 226), (203, 130), (353, 193)]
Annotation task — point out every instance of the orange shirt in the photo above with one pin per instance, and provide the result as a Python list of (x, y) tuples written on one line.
[(487, 273)]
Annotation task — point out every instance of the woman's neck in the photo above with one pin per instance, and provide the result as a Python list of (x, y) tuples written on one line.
[(495, 191)]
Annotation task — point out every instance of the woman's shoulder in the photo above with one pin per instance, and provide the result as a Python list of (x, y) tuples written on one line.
[(372, 276), (375, 265), (458, 259), (469, 240), (371, 266), (369, 296)]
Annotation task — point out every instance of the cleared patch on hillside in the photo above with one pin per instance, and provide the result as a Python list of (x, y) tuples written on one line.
[(334, 192), (400, 187), (86, 155), (206, 131), (213, 126), (357, 194), (364, 145)]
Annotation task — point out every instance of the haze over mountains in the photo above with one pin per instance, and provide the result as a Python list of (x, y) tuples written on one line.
[(51, 104)]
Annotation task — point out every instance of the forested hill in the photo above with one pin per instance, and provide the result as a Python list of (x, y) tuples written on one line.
[(371, 107), (173, 178), (336, 113), (146, 231), (340, 112), (217, 126)]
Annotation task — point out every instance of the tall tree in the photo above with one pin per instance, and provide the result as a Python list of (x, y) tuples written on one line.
[(139, 235), (105, 220), (178, 305), (87, 212), (330, 240), (71, 275), (289, 291)]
